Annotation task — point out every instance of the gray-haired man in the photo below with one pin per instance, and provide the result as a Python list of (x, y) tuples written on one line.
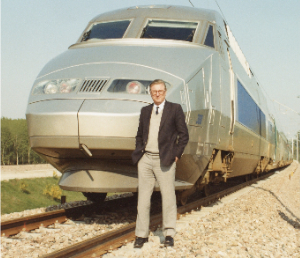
[(161, 138)]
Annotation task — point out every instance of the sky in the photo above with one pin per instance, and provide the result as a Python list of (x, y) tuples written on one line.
[(35, 31)]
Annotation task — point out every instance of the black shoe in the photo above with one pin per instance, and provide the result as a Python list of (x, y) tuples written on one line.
[(139, 242), (169, 241)]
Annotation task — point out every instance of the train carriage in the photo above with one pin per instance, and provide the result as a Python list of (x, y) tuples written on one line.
[(84, 106)]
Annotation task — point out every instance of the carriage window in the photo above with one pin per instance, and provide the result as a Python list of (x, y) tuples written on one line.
[(249, 113), (170, 30), (106, 30), (209, 40)]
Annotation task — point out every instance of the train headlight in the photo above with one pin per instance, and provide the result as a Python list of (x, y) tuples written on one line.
[(131, 86), (65, 87), (56, 86), (51, 88), (134, 87)]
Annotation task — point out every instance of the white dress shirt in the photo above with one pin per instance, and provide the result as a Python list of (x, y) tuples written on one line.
[(160, 107)]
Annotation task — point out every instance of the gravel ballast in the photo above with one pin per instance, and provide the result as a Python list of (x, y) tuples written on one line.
[(262, 220)]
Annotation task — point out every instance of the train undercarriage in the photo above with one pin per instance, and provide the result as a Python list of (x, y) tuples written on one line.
[(220, 169)]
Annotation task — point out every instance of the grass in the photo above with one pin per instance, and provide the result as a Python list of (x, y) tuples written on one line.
[(23, 194)]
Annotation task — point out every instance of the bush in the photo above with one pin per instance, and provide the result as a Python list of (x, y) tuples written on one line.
[(13, 199), (55, 175), (23, 187), (53, 192)]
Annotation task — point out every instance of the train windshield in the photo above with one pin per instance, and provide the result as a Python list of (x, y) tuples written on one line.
[(170, 30), (106, 30)]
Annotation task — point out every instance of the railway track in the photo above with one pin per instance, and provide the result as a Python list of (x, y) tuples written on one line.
[(28, 223), (60, 215), (102, 244)]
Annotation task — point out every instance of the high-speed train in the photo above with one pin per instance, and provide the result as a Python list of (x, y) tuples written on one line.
[(84, 106)]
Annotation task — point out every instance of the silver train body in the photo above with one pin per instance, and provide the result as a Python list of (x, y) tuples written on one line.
[(84, 106)]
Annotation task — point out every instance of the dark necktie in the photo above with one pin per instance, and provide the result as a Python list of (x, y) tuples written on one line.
[(157, 110)]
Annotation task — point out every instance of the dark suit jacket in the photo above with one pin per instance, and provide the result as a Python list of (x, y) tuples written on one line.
[(172, 126)]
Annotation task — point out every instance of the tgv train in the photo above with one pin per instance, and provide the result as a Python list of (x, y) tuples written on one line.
[(84, 106)]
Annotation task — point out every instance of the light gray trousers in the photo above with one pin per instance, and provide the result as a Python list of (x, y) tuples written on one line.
[(149, 170)]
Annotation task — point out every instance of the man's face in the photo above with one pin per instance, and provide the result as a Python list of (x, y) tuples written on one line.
[(158, 93)]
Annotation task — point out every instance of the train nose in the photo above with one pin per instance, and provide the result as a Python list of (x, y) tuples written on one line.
[(72, 128), (108, 124), (52, 125)]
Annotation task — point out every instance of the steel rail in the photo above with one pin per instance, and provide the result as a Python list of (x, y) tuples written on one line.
[(28, 223), (102, 244)]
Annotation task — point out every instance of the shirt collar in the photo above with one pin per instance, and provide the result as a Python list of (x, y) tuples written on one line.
[(161, 106)]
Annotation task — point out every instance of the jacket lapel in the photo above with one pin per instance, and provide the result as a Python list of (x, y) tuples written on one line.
[(148, 116), (165, 113)]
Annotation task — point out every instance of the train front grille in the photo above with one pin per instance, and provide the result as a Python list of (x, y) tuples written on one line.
[(92, 85)]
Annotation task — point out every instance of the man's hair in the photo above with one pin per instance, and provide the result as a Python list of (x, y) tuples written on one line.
[(158, 81)]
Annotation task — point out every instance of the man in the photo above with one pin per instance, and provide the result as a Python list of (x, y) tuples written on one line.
[(161, 138)]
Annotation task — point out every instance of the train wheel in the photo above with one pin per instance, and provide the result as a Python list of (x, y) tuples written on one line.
[(247, 178), (95, 197), (207, 190), (180, 198), (135, 194)]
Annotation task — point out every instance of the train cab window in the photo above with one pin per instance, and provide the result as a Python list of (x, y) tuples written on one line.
[(209, 40), (106, 30), (177, 30)]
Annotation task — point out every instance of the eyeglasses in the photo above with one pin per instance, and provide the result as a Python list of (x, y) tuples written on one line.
[(154, 92)]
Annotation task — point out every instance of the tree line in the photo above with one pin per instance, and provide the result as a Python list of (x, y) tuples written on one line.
[(15, 147)]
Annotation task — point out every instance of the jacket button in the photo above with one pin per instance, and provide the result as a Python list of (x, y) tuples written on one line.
[(142, 150)]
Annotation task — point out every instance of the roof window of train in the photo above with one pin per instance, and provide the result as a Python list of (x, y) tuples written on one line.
[(106, 30), (209, 40), (178, 30)]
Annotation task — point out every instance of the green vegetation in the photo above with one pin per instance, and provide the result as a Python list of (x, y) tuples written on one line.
[(23, 194), (15, 147), (53, 192)]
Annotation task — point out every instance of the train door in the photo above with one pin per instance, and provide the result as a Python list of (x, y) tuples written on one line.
[(211, 102), (196, 99), (225, 90), (203, 102), (232, 100), (213, 87), (230, 78), (185, 103)]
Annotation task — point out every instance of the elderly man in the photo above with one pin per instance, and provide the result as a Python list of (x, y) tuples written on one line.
[(161, 138)]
